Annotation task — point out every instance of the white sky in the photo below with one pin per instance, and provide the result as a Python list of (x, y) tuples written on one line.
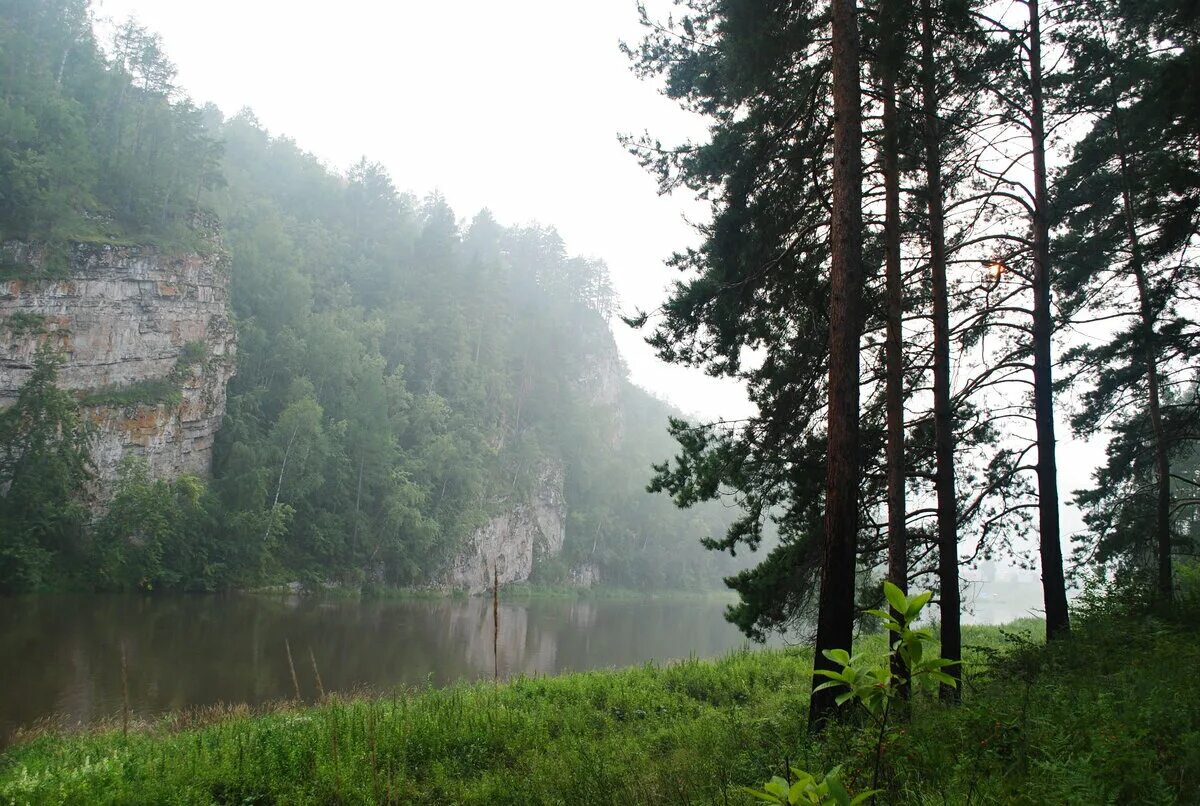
[(514, 106)]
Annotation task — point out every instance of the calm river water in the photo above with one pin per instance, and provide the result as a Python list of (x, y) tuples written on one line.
[(60, 656)]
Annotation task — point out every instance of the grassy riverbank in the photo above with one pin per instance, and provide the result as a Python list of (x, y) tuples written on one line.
[(1110, 716)]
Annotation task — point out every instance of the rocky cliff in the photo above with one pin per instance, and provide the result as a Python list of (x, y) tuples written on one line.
[(599, 385), (146, 339), (510, 543)]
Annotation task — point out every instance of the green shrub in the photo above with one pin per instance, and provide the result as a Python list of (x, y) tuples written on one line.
[(25, 323), (151, 392)]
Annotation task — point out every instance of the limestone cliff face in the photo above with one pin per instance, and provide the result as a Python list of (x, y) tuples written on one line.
[(599, 385), (600, 379), (535, 528), (510, 543), (147, 343)]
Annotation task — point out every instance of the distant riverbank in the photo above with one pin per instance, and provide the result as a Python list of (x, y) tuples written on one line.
[(514, 591), (1107, 716)]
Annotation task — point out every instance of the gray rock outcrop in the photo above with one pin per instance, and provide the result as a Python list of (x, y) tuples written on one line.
[(510, 543), (146, 339)]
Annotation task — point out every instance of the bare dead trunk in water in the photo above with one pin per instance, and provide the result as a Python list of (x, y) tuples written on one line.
[(496, 623), (835, 618)]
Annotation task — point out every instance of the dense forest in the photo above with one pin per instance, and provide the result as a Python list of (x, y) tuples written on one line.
[(401, 375)]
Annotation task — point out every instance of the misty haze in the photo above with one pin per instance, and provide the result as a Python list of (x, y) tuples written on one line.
[(698, 401)]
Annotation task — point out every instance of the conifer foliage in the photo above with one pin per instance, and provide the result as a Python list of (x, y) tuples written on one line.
[(1051, 144)]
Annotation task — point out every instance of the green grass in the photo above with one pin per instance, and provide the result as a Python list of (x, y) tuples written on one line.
[(1112, 716)]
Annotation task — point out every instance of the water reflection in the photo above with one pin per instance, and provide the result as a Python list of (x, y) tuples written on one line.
[(1000, 602), (62, 655)]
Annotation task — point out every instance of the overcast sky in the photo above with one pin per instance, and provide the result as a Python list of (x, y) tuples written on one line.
[(514, 106)]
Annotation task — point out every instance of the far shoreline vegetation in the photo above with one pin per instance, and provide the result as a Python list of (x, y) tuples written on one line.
[(516, 591)]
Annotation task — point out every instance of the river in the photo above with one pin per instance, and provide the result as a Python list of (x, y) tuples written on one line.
[(61, 656)]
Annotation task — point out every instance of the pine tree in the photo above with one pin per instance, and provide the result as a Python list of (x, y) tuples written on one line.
[(835, 610), (892, 47), (759, 282), (1128, 209)]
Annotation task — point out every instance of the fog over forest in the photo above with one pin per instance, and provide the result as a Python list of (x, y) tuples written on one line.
[(562, 166)]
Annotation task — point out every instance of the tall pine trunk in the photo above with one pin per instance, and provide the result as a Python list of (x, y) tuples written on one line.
[(943, 417), (1053, 583), (897, 535), (1162, 456), (835, 618), (1162, 459)]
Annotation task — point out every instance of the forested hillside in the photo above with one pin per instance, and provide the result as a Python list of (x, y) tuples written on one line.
[(426, 374), (401, 375)]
